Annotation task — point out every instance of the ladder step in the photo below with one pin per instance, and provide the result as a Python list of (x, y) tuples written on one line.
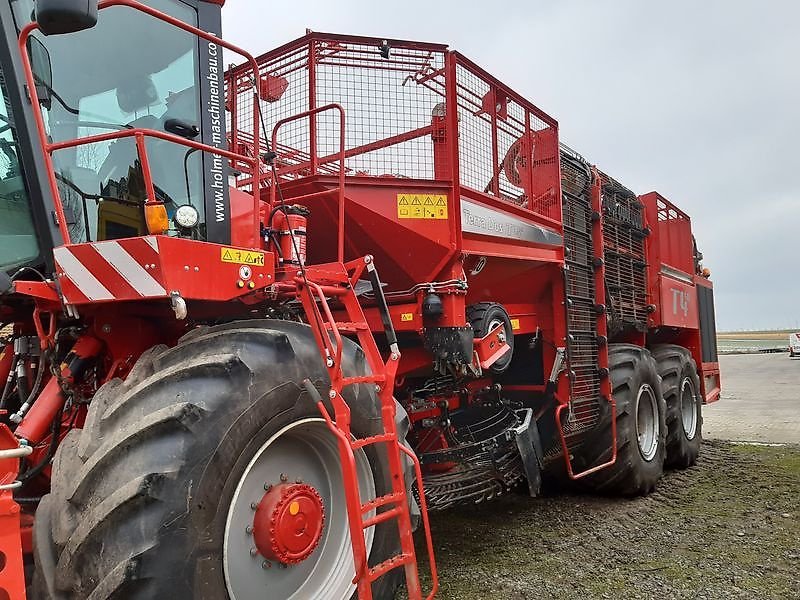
[(350, 326), (381, 517), (363, 379), (373, 439), (382, 501), (389, 564)]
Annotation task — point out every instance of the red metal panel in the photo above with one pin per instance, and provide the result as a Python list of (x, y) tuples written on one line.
[(12, 575), (156, 266), (710, 381), (678, 303)]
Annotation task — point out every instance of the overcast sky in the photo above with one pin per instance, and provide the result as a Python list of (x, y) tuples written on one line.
[(697, 100)]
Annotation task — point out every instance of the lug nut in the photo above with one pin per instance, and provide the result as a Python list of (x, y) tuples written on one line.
[(253, 551), (254, 505), (284, 477), (266, 564), (267, 487), (249, 530)]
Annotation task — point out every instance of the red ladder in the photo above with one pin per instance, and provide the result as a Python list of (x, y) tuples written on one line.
[(337, 280)]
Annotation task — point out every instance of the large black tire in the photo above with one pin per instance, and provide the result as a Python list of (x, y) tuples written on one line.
[(680, 384), (140, 495), (633, 372), (481, 316)]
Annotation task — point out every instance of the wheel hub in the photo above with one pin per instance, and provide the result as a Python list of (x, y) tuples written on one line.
[(306, 449), (688, 408), (647, 426), (288, 523)]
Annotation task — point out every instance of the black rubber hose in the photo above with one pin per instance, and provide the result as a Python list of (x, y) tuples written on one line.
[(9, 381)]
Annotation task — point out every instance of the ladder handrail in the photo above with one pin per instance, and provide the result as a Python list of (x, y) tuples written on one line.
[(313, 295)]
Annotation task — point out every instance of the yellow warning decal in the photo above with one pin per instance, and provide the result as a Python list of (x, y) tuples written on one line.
[(242, 257), (514, 324), (421, 206), (406, 316)]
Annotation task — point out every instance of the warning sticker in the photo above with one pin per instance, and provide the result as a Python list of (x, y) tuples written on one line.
[(406, 316), (514, 324), (242, 257), (421, 206)]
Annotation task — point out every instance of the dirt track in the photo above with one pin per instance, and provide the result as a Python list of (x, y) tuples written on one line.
[(727, 528)]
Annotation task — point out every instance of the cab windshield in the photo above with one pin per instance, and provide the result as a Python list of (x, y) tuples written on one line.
[(18, 243), (129, 71)]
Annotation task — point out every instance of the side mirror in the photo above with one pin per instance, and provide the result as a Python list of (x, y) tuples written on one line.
[(65, 16), (42, 71)]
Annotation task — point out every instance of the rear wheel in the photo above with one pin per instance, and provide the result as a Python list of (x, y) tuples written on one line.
[(681, 386), (209, 473), (641, 428)]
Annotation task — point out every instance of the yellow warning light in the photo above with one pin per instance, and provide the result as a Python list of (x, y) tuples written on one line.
[(294, 508)]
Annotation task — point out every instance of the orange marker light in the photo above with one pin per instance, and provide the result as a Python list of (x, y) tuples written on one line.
[(156, 217)]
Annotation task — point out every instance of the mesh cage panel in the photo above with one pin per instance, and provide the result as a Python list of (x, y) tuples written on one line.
[(506, 147)]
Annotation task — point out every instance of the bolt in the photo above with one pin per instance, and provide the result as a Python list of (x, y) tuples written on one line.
[(377, 388), (267, 487), (298, 480), (185, 267), (106, 328), (254, 505), (266, 564), (284, 478), (249, 530), (197, 269), (283, 565), (329, 362), (394, 356), (253, 551), (332, 394)]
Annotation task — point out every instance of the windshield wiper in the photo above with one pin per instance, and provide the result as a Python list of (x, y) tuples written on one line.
[(77, 112)]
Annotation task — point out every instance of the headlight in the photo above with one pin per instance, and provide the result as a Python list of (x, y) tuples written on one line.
[(186, 216)]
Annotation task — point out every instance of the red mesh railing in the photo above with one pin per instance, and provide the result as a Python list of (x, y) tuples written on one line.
[(395, 100)]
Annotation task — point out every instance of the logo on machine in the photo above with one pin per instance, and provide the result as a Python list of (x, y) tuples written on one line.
[(476, 218), (215, 116), (680, 301)]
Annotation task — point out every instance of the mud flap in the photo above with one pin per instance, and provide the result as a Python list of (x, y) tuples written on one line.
[(530, 449)]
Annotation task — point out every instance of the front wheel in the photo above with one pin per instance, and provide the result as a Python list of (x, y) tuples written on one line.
[(209, 474)]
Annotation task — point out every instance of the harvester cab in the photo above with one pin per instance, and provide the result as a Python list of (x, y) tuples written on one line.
[(126, 72)]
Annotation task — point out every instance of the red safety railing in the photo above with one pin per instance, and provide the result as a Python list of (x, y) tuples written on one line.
[(414, 110), (340, 156), (672, 229), (139, 134)]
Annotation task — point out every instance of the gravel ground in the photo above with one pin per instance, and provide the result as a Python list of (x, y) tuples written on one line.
[(726, 528)]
